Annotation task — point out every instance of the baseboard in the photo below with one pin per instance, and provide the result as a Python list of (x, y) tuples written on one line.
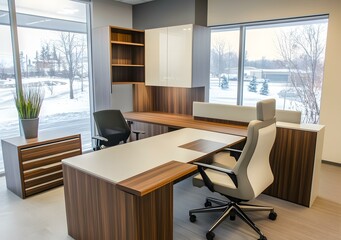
[(331, 163)]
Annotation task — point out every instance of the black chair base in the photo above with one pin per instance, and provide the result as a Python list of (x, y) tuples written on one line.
[(231, 209)]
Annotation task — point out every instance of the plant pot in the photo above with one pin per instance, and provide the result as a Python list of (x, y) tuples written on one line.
[(30, 127)]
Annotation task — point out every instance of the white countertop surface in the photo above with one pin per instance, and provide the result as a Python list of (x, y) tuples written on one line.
[(123, 161), (302, 126)]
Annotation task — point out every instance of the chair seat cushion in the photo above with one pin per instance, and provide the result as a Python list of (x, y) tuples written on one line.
[(221, 181), (224, 160)]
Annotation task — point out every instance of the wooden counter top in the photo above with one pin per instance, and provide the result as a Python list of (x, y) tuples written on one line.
[(185, 121), (155, 178)]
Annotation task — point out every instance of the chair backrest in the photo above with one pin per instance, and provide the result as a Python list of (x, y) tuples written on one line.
[(112, 125), (253, 169)]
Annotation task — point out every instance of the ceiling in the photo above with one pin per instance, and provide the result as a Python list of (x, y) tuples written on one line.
[(133, 2)]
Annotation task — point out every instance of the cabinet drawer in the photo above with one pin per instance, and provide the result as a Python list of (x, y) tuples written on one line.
[(42, 171), (50, 159), (48, 149), (43, 179), (43, 187)]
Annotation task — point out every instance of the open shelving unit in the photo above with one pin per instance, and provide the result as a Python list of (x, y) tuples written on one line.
[(127, 55)]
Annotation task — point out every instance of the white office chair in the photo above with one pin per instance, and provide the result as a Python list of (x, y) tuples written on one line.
[(249, 177)]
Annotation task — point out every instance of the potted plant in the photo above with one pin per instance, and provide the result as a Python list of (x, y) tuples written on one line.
[(28, 102)]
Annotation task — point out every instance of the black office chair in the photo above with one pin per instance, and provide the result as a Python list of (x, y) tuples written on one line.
[(112, 129)]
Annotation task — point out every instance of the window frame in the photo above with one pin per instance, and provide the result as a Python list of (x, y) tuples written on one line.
[(242, 40)]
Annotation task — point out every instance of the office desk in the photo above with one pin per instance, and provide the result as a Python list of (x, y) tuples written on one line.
[(295, 158), (126, 191)]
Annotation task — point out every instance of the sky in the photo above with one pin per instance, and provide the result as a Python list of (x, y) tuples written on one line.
[(30, 41), (259, 42)]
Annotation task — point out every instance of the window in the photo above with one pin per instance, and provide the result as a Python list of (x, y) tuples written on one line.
[(9, 125), (53, 50), (280, 59), (224, 65)]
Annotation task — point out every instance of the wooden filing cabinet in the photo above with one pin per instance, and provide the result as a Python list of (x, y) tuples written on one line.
[(34, 165)]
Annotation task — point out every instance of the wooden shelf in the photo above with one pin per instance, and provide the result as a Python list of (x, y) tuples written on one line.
[(127, 55), (128, 43), (127, 65), (118, 83)]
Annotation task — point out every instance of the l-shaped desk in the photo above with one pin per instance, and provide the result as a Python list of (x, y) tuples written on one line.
[(295, 157), (126, 191)]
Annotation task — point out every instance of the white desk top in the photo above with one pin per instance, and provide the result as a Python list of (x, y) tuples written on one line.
[(123, 161), (303, 126)]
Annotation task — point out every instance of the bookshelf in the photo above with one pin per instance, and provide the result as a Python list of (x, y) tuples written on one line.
[(127, 55)]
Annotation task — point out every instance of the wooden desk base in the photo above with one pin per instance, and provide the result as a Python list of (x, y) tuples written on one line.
[(97, 209)]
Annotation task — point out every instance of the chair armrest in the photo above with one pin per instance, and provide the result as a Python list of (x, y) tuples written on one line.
[(138, 131), (213, 167), (229, 172), (233, 150), (100, 138), (98, 141)]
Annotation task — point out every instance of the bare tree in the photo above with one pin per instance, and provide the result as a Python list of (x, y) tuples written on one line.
[(71, 46), (2, 71), (223, 58), (302, 51), (219, 62)]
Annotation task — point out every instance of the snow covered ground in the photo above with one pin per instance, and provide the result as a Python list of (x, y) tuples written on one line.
[(229, 95)]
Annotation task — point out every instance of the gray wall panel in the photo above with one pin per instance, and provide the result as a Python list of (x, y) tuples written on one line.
[(164, 13)]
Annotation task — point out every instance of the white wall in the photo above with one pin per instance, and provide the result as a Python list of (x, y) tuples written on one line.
[(110, 12), (231, 11)]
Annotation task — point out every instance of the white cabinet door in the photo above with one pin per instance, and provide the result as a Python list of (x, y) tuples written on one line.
[(180, 56), (156, 57), (177, 56)]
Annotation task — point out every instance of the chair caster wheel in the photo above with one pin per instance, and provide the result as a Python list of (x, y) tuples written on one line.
[(262, 238), (192, 218), (232, 217), (210, 235), (208, 203), (272, 216)]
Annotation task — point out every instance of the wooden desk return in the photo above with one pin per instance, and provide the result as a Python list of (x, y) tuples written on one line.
[(126, 191)]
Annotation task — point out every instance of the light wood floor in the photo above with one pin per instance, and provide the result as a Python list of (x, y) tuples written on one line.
[(330, 180), (43, 216)]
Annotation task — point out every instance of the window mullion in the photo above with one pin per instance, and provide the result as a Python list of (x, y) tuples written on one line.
[(15, 44), (241, 65)]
